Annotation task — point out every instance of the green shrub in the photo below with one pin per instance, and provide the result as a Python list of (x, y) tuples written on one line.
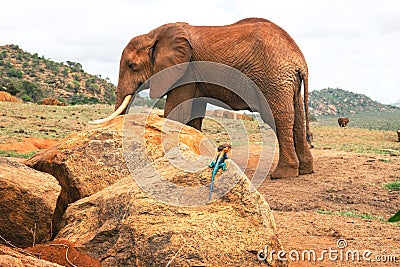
[(3, 54), (26, 98), (14, 73), (81, 99), (94, 88), (394, 186), (25, 90), (65, 73), (14, 47), (395, 218)]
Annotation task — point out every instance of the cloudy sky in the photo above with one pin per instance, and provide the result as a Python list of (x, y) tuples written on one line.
[(349, 44)]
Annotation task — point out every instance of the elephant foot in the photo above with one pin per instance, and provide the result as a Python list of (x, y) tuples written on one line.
[(284, 172), (306, 168)]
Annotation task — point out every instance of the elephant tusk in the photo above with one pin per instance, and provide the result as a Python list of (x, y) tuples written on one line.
[(121, 108)]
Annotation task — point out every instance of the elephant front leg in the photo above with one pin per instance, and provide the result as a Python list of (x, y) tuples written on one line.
[(197, 113), (288, 164), (182, 106)]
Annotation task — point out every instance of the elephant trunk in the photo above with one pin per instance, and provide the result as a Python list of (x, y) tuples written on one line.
[(117, 112)]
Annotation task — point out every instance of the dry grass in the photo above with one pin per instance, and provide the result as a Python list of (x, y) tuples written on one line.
[(355, 139), (20, 120)]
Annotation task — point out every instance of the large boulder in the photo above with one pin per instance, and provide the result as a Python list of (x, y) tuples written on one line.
[(137, 192), (89, 161), (27, 201), (123, 225), (52, 102)]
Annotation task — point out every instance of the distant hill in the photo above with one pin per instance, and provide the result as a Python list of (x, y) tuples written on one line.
[(31, 77), (339, 102)]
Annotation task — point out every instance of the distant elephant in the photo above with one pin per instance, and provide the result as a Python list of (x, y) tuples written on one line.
[(256, 47), (343, 122), (398, 134)]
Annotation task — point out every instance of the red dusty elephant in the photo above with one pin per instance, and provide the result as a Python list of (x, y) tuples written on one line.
[(256, 47), (398, 134), (343, 122)]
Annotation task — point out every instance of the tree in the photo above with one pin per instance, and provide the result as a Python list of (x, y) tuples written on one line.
[(75, 66)]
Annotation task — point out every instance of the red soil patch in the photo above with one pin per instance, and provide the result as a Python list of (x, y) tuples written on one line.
[(28, 144), (61, 253)]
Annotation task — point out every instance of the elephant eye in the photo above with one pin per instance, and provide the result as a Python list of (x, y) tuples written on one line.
[(132, 65)]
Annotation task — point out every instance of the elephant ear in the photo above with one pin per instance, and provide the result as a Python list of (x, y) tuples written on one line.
[(171, 47)]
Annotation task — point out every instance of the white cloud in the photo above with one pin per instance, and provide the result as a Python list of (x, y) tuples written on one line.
[(348, 44)]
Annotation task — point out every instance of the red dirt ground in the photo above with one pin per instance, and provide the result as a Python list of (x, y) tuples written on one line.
[(28, 144), (61, 251), (342, 182)]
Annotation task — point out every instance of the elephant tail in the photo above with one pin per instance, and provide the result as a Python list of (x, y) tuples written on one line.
[(304, 78)]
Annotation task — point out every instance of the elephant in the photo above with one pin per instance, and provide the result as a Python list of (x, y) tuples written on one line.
[(310, 139), (256, 47), (343, 122), (398, 134)]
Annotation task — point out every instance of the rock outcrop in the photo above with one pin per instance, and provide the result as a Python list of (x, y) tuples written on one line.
[(52, 102), (27, 202), (135, 193), (7, 97), (90, 161), (227, 114), (123, 225)]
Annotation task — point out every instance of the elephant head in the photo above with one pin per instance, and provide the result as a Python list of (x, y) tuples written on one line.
[(146, 55)]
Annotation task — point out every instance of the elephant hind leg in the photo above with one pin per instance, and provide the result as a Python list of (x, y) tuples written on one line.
[(288, 164), (299, 133)]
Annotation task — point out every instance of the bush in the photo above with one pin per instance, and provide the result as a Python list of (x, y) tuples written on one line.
[(19, 57), (26, 98), (83, 99), (3, 54), (14, 47), (94, 88), (25, 90), (14, 73)]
